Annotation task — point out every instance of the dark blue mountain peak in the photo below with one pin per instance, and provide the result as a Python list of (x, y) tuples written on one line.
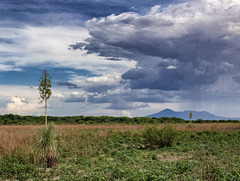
[(204, 115), (167, 111)]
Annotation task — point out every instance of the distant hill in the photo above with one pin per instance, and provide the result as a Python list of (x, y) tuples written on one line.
[(185, 115)]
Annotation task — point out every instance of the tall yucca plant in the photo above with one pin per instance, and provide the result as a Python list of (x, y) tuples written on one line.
[(46, 139), (47, 144), (190, 117), (45, 90)]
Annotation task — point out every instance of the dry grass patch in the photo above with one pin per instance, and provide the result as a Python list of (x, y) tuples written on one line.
[(19, 136), (210, 127), (15, 137), (182, 127), (167, 157), (94, 127)]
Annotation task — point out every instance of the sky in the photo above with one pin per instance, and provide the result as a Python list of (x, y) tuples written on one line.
[(120, 58)]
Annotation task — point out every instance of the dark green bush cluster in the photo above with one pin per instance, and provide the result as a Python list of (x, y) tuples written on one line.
[(154, 137), (10, 119)]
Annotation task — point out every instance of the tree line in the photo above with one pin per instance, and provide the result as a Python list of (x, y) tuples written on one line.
[(11, 119)]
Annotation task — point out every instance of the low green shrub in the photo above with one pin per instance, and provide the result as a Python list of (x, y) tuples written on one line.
[(16, 166), (153, 137)]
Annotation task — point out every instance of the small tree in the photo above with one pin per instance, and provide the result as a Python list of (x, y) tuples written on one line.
[(45, 90)]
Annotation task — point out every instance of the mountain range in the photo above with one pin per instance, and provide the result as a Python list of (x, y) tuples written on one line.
[(204, 115)]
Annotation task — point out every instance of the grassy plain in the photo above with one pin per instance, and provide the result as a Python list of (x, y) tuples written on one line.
[(117, 152)]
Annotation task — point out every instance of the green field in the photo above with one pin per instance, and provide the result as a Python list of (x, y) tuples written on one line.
[(121, 152)]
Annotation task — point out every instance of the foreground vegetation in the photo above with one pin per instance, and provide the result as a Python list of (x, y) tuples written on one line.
[(127, 152)]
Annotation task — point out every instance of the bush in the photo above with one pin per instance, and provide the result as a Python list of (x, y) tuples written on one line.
[(154, 137), (47, 144)]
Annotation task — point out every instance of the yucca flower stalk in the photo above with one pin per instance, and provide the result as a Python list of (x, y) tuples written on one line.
[(47, 144)]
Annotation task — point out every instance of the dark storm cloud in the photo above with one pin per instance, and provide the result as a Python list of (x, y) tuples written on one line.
[(6, 41), (74, 99), (114, 59), (99, 88), (117, 101), (102, 49), (89, 88), (183, 77), (149, 96), (76, 46), (137, 95), (178, 47), (126, 106), (236, 79), (68, 84)]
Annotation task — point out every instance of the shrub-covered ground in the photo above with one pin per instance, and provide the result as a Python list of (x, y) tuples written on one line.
[(127, 153)]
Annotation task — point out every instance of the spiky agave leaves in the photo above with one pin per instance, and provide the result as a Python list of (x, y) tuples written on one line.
[(47, 144)]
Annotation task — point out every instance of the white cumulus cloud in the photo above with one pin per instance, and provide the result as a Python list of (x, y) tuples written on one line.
[(19, 105), (126, 113)]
